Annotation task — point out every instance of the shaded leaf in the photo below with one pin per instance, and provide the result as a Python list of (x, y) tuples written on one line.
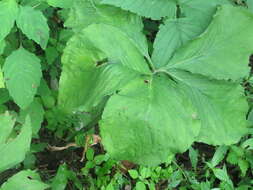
[(27, 180), (13, 152), (23, 71), (34, 25), (8, 14), (155, 9)]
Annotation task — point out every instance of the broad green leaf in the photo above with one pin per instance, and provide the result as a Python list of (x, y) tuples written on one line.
[(193, 154), (34, 25), (61, 179), (88, 76), (172, 35), (244, 166), (87, 12), (8, 14), (155, 9), (13, 152), (221, 107), (219, 155), (26, 179), (138, 123), (133, 173), (248, 144), (140, 186), (36, 113), (22, 73), (210, 54), (6, 125), (60, 3), (222, 175), (1, 79), (200, 11)]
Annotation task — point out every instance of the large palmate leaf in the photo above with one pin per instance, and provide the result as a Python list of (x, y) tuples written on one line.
[(34, 25), (86, 12), (172, 35), (84, 81), (22, 73), (13, 151), (220, 52), (188, 98), (147, 120), (27, 179), (8, 14), (154, 9)]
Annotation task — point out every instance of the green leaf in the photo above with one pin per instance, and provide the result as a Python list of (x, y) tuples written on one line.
[(221, 107), (140, 186), (13, 152), (94, 67), (60, 3), (36, 113), (193, 154), (6, 123), (210, 54), (139, 119), (248, 144), (155, 9), (27, 179), (133, 173), (1, 79), (145, 172), (200, 11), (219, 155), (34, 25), (61, 179), (22, 71), (222, 175), (51, 54), (232, 157), (87, 12), (8, 14), (244, 166), (90, 154), (172, 35)]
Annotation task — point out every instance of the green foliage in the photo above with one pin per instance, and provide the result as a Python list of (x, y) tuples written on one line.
[(138, 108)]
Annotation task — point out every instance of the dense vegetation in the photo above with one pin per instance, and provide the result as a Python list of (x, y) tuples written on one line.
[(126, 94)]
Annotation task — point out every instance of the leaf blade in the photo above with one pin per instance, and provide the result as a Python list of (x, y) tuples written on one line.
[(23, 71), (34, 25)]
